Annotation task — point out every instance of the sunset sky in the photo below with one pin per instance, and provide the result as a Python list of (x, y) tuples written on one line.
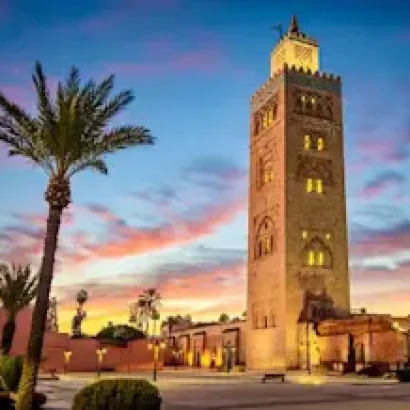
[(174, 215)]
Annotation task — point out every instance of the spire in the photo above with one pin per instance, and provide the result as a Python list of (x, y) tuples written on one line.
[(294, 26)]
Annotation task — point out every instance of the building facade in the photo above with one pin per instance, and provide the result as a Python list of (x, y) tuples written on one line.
[(207, 345), (297, 250), (345, 344)]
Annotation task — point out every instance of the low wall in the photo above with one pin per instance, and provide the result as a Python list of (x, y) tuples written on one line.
[(132, 357)]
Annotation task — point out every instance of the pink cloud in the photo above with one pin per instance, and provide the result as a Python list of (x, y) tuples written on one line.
[(205, 61), (382, 182)]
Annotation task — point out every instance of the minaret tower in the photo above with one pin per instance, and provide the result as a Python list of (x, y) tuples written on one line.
[(298, 260)]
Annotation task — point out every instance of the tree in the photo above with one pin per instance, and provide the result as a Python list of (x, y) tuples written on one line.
[(82, 297), (155, 317), (17, 290), (69, 133), (224, 318), (120, 332), (149, 302)]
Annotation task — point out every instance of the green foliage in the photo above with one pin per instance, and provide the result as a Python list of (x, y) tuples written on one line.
[(7, 402), (121, 394), (11, 371), (70, 131), (82, 297), (120, 332), (17, 290), (224, 318)]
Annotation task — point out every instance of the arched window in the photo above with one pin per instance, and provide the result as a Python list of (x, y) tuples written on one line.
[(309, 107), (316, 254), (264, 241), (265, 120), (319, 110), (299, 104), (307, 142)]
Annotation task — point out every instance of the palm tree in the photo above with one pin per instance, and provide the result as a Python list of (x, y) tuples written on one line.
[(82, 297), (149, 302), (69, 133), (17, 290)]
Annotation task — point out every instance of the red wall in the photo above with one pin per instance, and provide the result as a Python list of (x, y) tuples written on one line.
[(135, 356)]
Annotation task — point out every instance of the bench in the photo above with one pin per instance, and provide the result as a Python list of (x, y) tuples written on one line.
[(272, 376)]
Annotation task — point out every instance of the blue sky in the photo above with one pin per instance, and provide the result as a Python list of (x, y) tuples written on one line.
[(174, 215)]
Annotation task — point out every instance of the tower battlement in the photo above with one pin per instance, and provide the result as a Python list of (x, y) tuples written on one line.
[(299, 70)]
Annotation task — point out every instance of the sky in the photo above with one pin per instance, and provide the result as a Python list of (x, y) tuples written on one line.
[(173, 216)]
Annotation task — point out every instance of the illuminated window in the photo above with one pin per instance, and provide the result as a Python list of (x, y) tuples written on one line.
[(311, 258), (267, 245), (313, 100), (307, 142), (265, 120), (304, 234), (319, 186), (270, 117), (268, 176), (328, 236), (320, 258), (320, 144), (309, 185), (317, 254), (303, 98)]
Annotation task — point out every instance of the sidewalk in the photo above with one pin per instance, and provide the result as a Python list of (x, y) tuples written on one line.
[(296, 377)]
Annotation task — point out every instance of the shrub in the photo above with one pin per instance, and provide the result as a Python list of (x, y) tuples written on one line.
[(404, 375), (374, 370), (11, 370), (124, 394)]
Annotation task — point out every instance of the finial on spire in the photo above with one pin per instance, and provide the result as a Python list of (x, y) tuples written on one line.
[(294, 26)]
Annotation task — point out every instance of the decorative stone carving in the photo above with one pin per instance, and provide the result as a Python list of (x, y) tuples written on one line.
[(312, 104), (316, 245), (315, 83), (314, 167), (266, 115), (265, 239)]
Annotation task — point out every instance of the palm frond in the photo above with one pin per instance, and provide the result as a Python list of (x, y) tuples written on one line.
[(71, 131), (17, 287)]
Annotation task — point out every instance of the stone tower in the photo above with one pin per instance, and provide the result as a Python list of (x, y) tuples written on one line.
[(298, 257)]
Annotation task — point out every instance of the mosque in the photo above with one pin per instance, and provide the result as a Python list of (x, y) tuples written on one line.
[(298, 293)]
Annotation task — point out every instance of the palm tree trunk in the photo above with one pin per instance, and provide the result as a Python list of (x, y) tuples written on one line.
[(8, 334), (32, 360)]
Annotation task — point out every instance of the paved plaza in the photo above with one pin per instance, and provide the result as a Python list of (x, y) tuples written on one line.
[(195, 391)]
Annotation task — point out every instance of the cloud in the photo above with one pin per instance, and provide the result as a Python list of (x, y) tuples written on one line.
[(199, 209), (383, 182), (205, 61), (23, 241), (211, 278), (366, 241), (127, 240)]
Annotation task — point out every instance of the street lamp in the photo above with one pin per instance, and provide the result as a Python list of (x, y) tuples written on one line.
[(67, 358), (156, 346), (100, 356)]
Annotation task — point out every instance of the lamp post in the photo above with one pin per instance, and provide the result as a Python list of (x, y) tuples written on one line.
[(67, 358), (100, 357), (308, 367), (156, 346)]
